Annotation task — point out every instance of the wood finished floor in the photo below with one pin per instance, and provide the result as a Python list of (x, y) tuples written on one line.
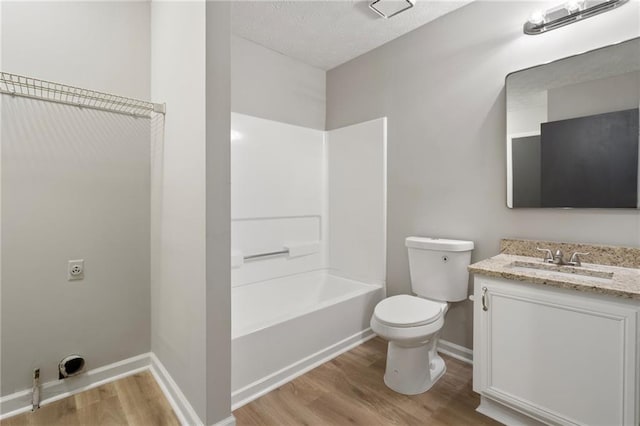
[(345, 391), (134, 400), (349, 391)]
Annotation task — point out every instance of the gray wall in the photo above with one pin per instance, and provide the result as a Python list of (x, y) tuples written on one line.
[(442, 88), (178, 272), (594, 97), (218, 212), (98, 45), (267, 84), (190, 284), (75, 185)]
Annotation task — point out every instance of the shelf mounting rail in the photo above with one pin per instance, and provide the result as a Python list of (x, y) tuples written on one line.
[(33, 88)]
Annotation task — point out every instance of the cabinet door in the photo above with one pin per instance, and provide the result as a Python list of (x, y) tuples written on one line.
[(559, 356)]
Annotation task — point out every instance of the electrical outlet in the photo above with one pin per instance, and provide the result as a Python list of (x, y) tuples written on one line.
[(75, 270)]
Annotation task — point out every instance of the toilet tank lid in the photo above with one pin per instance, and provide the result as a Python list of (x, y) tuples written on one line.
[(439, 244)]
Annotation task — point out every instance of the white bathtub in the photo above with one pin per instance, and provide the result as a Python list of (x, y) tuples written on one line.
[(284, 327)]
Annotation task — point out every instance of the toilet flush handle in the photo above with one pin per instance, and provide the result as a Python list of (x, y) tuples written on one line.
[(484, 299)]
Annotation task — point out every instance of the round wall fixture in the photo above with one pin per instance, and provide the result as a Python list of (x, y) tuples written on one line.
[(70, 366)]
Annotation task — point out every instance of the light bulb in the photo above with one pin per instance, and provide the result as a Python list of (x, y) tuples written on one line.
[(574, 6), (537, 17)]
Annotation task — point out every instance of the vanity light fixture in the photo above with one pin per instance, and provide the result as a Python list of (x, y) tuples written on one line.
[(537, 17), (574, 6), (389, 8), (568, 13)]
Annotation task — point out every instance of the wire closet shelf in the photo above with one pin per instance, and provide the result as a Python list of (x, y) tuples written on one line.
[(33, 88)]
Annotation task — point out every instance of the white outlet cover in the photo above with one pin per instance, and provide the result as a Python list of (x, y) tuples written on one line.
[(75, 270)]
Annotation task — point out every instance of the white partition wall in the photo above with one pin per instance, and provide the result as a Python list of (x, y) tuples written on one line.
[(178, 274), (277, 187), (357, 172)]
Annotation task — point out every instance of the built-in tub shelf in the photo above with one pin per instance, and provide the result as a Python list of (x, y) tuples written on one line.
[(290, 250)]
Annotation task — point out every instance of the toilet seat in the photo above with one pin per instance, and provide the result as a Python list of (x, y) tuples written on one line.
[(408, 311)]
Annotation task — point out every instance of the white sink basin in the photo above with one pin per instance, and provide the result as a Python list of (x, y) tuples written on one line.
[(564, 271)]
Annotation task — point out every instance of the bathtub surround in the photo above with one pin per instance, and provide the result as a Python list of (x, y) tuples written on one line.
[(357, 170), (443, 93), (295, 193), (293, 185), (277, 184)]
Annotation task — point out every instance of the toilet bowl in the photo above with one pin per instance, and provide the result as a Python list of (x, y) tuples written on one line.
[(412, 324)]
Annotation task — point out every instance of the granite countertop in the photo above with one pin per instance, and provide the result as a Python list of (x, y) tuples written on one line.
[(623, 282)]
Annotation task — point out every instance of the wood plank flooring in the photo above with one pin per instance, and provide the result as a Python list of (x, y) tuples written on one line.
[(345, 391), (349, 390), (134, 400)]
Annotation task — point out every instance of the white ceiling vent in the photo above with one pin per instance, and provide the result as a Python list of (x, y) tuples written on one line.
[(389, 8)]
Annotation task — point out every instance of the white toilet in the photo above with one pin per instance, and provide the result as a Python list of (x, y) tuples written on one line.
[(412, 324)]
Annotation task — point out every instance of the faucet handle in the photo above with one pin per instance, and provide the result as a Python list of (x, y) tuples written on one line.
[(575, 258), (548, 255)]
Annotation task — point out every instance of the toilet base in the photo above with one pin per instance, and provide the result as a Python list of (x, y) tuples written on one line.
[(413, 370)]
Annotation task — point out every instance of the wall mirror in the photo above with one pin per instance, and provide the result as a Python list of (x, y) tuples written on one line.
[(572, 131)]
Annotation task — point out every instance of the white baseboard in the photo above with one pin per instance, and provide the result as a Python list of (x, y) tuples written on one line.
[(455, 351), (261, 387), (184, 411), (504, 414), (20, 402), (229, 421)]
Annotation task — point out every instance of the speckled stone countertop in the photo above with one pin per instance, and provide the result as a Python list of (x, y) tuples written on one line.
[(591, 277), (624, 257)]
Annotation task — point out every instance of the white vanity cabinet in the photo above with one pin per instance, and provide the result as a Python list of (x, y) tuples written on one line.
[(555, 356)]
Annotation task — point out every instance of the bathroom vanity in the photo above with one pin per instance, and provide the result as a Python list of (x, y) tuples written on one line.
[(558, 344)]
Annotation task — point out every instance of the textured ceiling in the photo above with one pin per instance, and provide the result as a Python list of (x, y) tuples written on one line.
[(328, 33), (528, 88)]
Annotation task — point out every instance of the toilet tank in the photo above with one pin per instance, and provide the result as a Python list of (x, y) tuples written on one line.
[(438, 267)]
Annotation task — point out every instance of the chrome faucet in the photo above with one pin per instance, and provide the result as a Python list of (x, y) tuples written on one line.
[(558, 258), (548, 255), (575, 258)]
